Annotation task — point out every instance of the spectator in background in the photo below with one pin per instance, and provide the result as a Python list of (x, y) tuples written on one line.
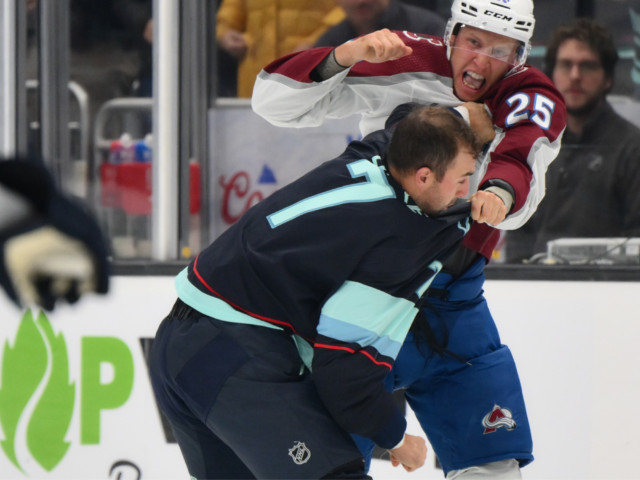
[(227, 66), (430, 4), (259, 31), (593, 186), (366, 16), (107, 46), (106, 42), (143, 85), (441, 7)]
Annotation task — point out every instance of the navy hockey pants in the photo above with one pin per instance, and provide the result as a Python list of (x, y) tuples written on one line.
[(471, 413), (241, 404)]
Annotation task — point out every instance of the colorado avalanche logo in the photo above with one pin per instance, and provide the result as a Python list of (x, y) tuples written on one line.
[(498, 418), (300, 453)]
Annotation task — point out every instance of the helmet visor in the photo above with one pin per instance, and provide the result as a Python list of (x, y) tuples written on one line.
[(499, 47)]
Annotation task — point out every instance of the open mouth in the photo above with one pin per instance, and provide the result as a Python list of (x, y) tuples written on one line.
[(473, 80)]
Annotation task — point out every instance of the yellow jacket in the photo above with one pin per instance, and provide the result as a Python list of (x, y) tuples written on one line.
[(273, 28)]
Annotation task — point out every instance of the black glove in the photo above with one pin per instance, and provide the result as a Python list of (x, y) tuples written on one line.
[(57, 250)]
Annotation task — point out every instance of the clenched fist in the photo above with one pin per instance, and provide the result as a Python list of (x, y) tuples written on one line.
[(376, 47)]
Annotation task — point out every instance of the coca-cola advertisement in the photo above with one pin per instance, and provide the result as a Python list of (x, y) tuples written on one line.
[(251, 159)]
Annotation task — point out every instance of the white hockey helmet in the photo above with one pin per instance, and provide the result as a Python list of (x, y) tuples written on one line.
[(511, 18)]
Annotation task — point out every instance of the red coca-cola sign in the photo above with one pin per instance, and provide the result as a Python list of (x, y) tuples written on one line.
[(239, 193)]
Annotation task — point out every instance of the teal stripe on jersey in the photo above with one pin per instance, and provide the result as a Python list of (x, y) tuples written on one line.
[(436, 266), (369, 317), (213, 306), (375, 188)]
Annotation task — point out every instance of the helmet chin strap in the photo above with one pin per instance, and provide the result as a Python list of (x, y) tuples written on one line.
[(448, 31)]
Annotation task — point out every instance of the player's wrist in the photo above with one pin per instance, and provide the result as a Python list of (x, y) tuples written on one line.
[(335, 60), (503, 195), (400, 443), (328, 68), (342, 55)]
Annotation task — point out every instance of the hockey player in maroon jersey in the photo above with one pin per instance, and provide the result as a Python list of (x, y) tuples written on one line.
[(481, 58)]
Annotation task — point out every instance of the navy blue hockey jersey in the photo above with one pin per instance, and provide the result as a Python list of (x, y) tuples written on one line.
[(339, 257)]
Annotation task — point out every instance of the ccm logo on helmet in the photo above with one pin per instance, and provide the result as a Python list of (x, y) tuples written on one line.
[(498, 15)]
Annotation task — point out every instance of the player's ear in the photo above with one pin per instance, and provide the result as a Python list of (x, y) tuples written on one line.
[(423, 175)]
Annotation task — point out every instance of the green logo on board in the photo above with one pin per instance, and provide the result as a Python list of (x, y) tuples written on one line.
[(38, 399), (35, 383)]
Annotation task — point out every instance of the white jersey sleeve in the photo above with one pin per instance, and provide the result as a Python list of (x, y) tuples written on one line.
[(286, 94)]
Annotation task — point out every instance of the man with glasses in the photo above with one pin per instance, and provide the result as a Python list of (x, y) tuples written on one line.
[(459, 379), (593, 185)]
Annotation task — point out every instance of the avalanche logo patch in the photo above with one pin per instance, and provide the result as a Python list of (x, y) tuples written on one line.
[(300, 453), (498, 418)]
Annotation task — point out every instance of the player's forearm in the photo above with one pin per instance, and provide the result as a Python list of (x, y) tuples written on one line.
[(287, 92), (328, 68), (352, 389)]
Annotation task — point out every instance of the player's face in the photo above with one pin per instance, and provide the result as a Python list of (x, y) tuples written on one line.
[(438, 195), (579, 76), (479, 59)]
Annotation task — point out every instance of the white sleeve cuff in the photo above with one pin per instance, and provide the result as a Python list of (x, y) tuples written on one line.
[(464, 113), (503, 195)]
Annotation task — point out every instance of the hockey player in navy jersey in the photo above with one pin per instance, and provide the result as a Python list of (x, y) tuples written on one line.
[(288, 323), (454, 350)]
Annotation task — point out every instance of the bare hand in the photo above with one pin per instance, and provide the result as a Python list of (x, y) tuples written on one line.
[(234, 43), (480, 121), (487, 207), (376, 47), (411, 455)]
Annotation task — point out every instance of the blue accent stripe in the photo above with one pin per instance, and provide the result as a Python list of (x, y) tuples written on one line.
[(212, 306), (349, 333), (360, 314)]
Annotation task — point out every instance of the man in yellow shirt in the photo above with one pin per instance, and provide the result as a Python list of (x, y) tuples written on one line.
[(258, 31)]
